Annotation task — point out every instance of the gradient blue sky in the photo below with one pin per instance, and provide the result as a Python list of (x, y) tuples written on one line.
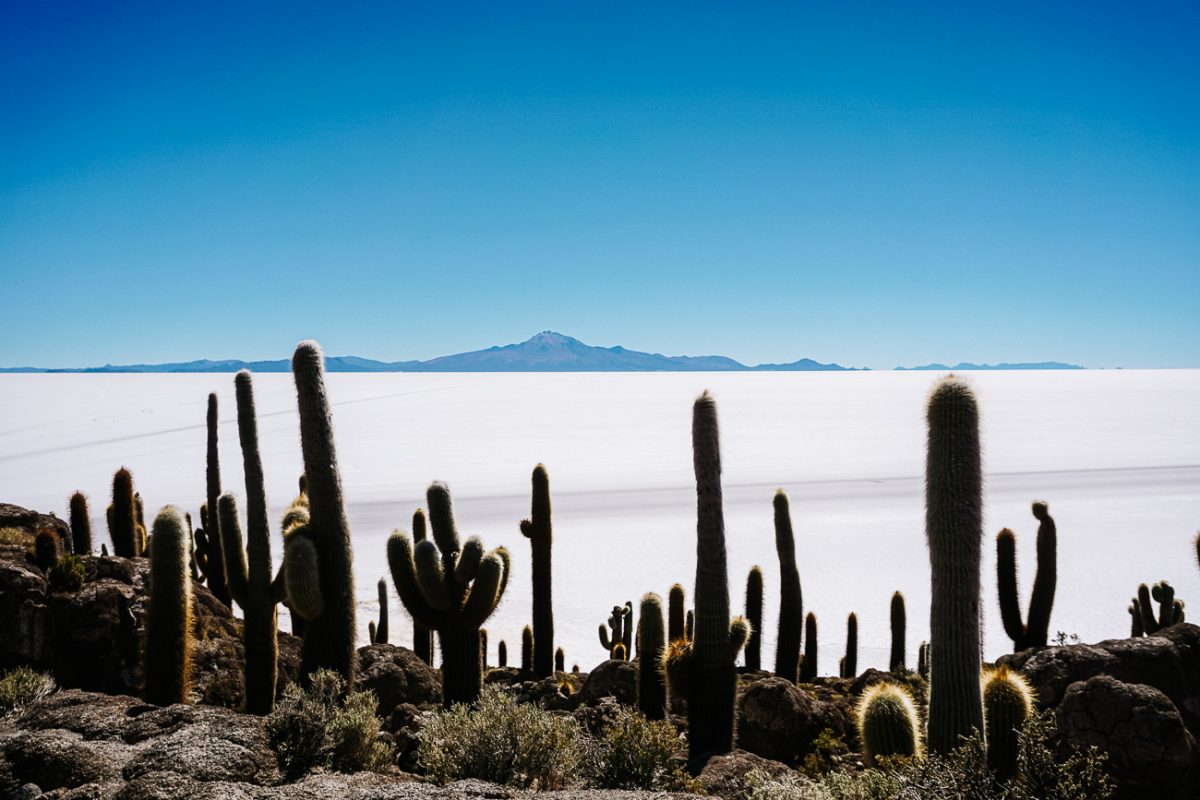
[(869, 184)]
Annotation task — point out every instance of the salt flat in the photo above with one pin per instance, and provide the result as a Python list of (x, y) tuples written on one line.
[(1116, 454)]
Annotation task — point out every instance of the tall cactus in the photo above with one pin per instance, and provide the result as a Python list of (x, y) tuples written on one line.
[(381, 629), (538, 531), (675, 613), (167, 651), (422, 636), (705, 666), (122, 516), (1037, 631), (212, 526), (450, 588), (526, 649), (317, 551), (899, 629), (888, 723), (1008, 703), (954, 530), (652, 692), (791, 601), (808, 665), (81, 525), (250, 573), (850, 661), (754, 608)]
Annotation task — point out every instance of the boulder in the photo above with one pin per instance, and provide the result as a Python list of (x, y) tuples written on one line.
[(725, 775), (31, 521), (611, 679), (397, 676), (777, 720)]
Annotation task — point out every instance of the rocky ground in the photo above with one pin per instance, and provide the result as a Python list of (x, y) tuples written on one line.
[(1136, 699)]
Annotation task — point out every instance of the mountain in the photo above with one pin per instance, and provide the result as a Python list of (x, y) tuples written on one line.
[(547, 351), (965, 366)]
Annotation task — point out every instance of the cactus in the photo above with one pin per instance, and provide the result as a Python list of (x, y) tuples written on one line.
[(689, 627), (167, 650), (923, 660), (1135, 614), (537, 530), (1170, 610), (620, 621), (371, 631), (103, 550), (899, 625), (46, 549), (754, 606), (381, 630), (193, 566), (81, 525), (619, 652), (559, 660), (628, 631), (791, 600), (954, 530), (652, 693), (502, 654), (422, 636), (1036, 632), (849, 664), (483, 650), (122, 519), (888, 723), (675, 613), (705, 666), (449, 588), (212, 526), (808, 665), (526, 649), (1008, 703), (141, 540), (317, 551)]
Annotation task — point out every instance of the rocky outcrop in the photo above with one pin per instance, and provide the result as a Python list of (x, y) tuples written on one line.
[(397, 676), (31, 522), (725, 775), (611, 679)]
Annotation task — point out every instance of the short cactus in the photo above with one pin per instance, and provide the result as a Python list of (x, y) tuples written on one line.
[(689, 627), (1007, 703), (899, 625), (754, 608), (888, 723), (676, 613), (81, 525), (791, 600), (1036, 632), (850, 660), (216, 561), (619, 652), (652, 692), (381, 629), (140, 537), (122, 516), (559, 660), (502, 654), (167, 650), (1170, 610), (954, 531), (537, 530), (450, 588), (808, 666), (483, 650), (923, 660), (526, 649), (46, 549)]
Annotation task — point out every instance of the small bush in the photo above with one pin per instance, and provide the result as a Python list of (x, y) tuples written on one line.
[(310, 729), (69, 574), (15, 536), (22, 686), (636, 753), (502, 742)]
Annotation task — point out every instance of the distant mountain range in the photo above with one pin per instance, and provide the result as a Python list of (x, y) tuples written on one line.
[(548, 351), (965, 365)]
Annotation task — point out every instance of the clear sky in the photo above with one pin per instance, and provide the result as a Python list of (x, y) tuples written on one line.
[(875, 185)]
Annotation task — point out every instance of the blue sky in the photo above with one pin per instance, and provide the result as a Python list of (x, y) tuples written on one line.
[(873, 184)]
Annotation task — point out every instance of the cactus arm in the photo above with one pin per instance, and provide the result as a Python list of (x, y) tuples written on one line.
[(258, 531), (485, 592), (381, 629), (1045, 580), (468, 561), (216, 561), (404, 578), (1146, 609), (441, 518), (431, 577), (605, 642), (303, 575), (279, 586), (235, 557), (740, 631), (503, 554), (1006, 588)]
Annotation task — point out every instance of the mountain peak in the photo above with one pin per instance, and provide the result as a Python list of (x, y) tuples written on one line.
[(550, 339)]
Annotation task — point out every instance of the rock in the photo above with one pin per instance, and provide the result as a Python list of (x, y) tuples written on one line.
[(777, 720), (725, 775), (94, 637), (611, 679), (56, 759), (24, 611), (30, 521), (1150, 751), (397, 676), (205, 743)]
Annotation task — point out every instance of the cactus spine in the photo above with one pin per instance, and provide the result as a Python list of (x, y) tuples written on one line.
[(808, 665), (526, 649), (166, 655), (888, 723), (381, 630), (319, 549), (954, 530), (212, 526), (791, 601), (899, 626), (1037, 631), (122, 519), (1008, 702), (850, 660), (754, 607), (675, 613), (81, 525), (537, 530), (422, 636), (450, 588), (652, 692), (250, 573)]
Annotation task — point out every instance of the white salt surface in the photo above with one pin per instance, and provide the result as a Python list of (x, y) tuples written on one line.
[(1116, 454)]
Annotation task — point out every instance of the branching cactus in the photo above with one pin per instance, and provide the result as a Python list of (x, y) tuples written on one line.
[(808, 665), (250, 574), (888, 723), (526, 649), (754, 608), (1008, 703), (704, 668), (619, 621), (81, 525), (167, 650), (791, 601), (1036, 632), (676, 613), (899, 627), (954, 531), (537, 530), (381, 629), (1170, 610), (850, 660), (652, 692), (122, 516), (318, 557), (422, 636), (212, 527), (452, 589)]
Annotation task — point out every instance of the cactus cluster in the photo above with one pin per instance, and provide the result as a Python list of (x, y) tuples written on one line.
[(1036, 631), (1141, 609), (537, 530)]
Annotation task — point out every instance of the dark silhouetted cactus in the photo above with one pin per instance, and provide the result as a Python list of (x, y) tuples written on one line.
[(706, 664), (422, 636), (193, 566), (502, 654), (81, 525), (212, 526), (808, 665), (483, 650), (450, 588), (1037, 631), (849, 662), (140, 537), (899, 627), (122, 516), (676, 613), (381, 629), (652, 692), (954, 531), (371, 631), (167, 649), (537, 530), (754, 607), (103, 550), (923, 660), (628, 630), (689, 627), (1170, 610), (791, 601), (1007, 703), (559, 660), (46, 548), (619, 621), (888, 723), (318, 552), (1135, 617), (526, 649)]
